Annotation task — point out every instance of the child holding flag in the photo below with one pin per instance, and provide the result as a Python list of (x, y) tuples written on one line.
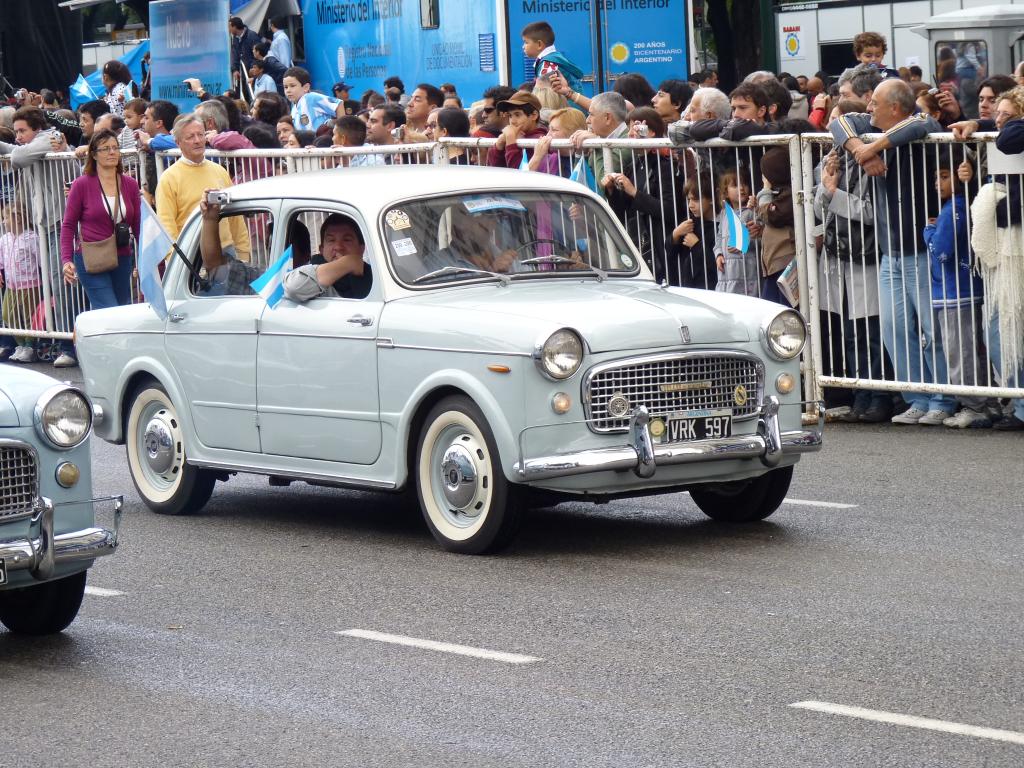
[(735, 255)]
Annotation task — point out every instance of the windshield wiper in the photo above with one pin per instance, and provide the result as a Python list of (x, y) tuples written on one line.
[(452, 270), (554, 259)]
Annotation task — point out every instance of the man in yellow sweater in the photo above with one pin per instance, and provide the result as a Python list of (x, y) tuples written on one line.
[(182, 186)]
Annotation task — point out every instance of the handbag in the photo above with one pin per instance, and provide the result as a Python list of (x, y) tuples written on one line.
[(101, 255)]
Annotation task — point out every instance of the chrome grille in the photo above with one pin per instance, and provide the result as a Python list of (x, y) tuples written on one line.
[(642, 381), (18, 481)]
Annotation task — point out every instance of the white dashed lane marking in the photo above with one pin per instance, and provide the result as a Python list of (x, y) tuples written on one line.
[(912, 721), (828, 504), (434, 645), (101, 592)]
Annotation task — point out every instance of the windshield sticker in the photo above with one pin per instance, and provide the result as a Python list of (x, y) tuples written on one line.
[(489, 203), (404, 247), (397, 220), (627, 261)]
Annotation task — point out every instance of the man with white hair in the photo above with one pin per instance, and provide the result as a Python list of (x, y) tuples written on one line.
[(606, 120), (708, 104), (908, 330), (181, 187)]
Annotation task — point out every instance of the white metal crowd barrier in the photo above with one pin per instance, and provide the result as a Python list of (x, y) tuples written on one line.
[(867, 296)]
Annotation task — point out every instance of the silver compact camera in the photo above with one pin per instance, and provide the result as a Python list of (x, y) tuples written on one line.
[(217, 197), (642, 131)]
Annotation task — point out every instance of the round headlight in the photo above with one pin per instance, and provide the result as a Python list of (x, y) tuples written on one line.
[(785, 335), (64, 417), (560, 356)]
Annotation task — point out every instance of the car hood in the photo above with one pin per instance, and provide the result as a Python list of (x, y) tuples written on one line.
[(612, 315), (20, 388)]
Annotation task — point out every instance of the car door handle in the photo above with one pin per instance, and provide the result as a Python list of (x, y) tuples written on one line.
[(176, 317), (361, 320)]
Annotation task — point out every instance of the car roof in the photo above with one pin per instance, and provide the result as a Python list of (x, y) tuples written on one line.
[(378, 186)]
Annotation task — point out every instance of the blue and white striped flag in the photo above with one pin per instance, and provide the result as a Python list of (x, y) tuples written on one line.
[(270, 285), (81, 92), (584, 174), (524, 162), (153, 247), (739, 237)]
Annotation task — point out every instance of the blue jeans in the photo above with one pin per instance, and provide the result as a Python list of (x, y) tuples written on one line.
[(107, 289), (1008, 378), (908, 328)]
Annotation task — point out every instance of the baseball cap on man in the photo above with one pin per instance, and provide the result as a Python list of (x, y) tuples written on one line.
[(520, 100), (342, 87)]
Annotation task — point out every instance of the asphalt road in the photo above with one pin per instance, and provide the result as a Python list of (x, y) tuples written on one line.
[(660, 638)]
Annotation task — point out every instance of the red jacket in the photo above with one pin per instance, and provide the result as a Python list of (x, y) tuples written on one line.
[(512, 155)]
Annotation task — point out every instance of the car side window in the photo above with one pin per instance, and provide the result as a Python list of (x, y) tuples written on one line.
[(226, 266), (330, 255)]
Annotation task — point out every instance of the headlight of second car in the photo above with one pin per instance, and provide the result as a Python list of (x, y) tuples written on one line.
[(785, 335), (64, 417), (561, 355)]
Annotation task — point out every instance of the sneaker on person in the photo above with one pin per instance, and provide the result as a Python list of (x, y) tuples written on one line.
[(6, 352), (934, 418), (24, 354), (65, 361), (968, 418), (1009, 423), (910, 416)]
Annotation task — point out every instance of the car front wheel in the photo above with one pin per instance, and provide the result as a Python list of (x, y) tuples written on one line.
[(744, 501), (43, 609), (468, 504), (156, 456)]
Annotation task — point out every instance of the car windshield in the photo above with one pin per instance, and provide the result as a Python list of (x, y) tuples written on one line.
[(501, 236)]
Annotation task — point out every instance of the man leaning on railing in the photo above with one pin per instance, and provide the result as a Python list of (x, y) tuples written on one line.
[(34, 139), (902, 207)]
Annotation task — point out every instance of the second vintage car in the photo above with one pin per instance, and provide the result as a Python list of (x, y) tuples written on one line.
[(48, 532), (504, 337)]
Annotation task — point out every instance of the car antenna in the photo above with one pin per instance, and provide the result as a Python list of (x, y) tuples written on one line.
[(202, 282)]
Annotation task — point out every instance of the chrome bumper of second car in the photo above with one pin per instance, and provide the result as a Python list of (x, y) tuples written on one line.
[(643, 457), (42, 551)]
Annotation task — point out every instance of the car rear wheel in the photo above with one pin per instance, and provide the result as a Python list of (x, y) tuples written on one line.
[(156, 456), (744, 501), (43, 609), (468, 504)]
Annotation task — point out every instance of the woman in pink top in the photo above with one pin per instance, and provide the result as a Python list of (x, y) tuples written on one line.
[(98, 200)]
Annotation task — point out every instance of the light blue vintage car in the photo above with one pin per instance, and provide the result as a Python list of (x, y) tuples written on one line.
[(48, 532), (505, 343)]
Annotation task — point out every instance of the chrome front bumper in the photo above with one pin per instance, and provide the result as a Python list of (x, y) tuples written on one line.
[(643, 457), (41, 552)]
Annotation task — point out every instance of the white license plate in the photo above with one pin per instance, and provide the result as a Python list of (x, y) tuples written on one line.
[(695, 425)]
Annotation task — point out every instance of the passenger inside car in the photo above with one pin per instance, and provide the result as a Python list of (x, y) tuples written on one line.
[(338, 270)]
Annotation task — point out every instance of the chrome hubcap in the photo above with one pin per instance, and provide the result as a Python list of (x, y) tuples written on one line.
[(158, 441), (459, 476)]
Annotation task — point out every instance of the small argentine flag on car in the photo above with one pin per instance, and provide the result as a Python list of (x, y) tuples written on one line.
[(270, 285), (153, 248)]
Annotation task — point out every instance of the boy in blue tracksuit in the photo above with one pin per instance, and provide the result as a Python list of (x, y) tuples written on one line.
[(957, 298), (539, 44)]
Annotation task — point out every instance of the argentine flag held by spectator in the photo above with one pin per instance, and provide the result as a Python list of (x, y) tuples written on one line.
[(584, 174), (154, 245), (81, 92), (270, 285), (739, 237), (524, 162)]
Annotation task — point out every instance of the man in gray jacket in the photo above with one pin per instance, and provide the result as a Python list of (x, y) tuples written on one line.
[(41, 187)]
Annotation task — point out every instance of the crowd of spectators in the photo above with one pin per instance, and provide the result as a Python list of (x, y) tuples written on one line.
[(900, 281)]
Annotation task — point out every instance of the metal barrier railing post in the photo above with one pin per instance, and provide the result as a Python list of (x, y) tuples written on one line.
[(801, 160)]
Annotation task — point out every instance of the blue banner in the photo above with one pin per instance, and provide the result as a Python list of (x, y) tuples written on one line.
[(362, 42), (644, 36), (189, 38)]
